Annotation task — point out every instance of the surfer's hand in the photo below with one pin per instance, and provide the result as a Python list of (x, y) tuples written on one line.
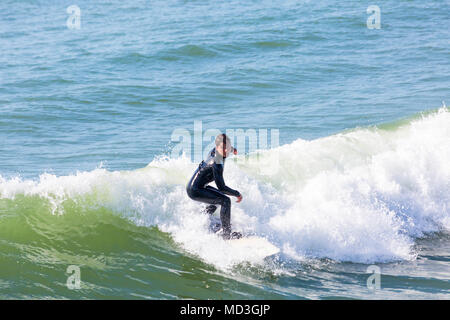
[(239, 199)]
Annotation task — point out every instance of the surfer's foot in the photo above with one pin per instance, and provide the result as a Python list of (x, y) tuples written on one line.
[(236, 235), (233, 235)]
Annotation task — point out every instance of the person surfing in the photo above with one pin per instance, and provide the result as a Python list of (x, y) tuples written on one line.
[(210, 170)]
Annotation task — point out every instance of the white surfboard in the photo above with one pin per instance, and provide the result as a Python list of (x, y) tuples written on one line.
[(253, 246), (256, 247)]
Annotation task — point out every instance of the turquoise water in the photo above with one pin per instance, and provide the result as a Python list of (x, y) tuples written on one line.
[(87, 176)]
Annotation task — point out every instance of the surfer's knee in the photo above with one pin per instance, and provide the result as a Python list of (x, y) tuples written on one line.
[(189, 190), (189, 193)]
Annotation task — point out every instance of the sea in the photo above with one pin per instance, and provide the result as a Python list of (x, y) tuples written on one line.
[(337, 109)]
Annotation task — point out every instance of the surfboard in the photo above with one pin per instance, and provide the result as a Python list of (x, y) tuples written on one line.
[(256, 246)]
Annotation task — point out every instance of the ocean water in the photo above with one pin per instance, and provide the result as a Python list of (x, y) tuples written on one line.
[(88, 176)]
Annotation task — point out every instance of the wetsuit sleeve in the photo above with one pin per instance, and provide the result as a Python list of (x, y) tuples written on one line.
[(218, 178)]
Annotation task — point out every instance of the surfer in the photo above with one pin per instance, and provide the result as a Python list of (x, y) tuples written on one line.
[(210, 170)]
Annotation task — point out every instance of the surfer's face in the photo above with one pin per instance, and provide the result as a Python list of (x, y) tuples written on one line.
[(224, 151)]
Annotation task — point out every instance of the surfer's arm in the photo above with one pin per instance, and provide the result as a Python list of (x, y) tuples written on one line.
[(218, 179)]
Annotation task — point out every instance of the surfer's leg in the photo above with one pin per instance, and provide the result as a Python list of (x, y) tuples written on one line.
[(225, 210), (213, 196)]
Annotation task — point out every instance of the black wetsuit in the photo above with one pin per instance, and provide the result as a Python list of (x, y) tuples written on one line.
[(197, 188)]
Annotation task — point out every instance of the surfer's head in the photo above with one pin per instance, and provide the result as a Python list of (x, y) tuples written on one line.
[(223, 145)]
